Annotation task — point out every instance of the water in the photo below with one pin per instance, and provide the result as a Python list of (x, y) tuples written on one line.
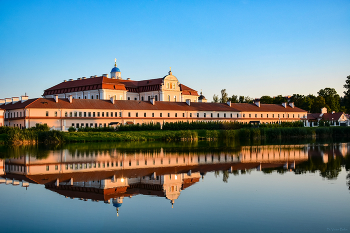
[(175, 187)]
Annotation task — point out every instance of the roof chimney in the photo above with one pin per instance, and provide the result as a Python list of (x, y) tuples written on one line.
[(105, 75), (70, 98), (188, 102), (284, 104), (56, 98), (92, 76), (291, 104), (71, 79), (8, 100), (79, 79), (65, 81), (24, 98), (128, 79), (83, 77), (257, 102), (229, 103), (15, 99), (2, 101), (153, 101)]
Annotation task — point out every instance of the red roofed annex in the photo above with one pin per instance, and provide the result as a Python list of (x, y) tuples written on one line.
[(109, 101)]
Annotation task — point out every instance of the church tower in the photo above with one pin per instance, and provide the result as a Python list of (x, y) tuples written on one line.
[(115, 72)]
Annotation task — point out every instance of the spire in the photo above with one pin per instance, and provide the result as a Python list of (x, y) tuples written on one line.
[(170, 73), (115, 62)]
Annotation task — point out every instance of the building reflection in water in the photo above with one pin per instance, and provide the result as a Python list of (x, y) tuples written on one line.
[(111, 175)]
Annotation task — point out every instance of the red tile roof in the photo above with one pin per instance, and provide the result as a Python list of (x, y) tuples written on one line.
[(332, 116), (245, 107), (145, 105), (187, 91), (114, 84)]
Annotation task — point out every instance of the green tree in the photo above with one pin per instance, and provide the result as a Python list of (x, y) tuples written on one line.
[(331, 98), (266, 99), (347, 94), (279, 99), (318, 103), (241, 99), (215, 98), (233, 99), (224, 96)]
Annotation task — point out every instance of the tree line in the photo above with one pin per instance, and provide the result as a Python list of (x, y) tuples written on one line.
[(327, 97)]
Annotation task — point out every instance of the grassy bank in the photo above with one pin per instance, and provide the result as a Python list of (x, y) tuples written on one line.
[(43, 135)]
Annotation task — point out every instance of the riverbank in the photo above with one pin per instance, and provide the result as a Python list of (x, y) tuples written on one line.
[(17, 136)]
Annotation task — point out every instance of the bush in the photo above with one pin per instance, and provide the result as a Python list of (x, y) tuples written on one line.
[(72, 129)]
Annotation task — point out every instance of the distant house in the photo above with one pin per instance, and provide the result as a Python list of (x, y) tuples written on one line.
[(334, 118)]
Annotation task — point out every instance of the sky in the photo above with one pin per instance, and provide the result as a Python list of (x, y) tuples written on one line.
[(249, 48)]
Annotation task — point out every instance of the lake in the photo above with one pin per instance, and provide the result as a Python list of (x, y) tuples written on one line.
[(176, 187)]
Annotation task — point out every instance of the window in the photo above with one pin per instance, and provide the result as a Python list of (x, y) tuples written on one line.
[(70, 114), (66, 114), (243, 115), (225, 115), (97, 97), (211, 115), (218, 114), (237, 115), (190, 114), (168, 97), (80, 114), (161, 114), (86, 125), (152, 114), (84, 114), (89, 114), (103, 114), (137, 114), (261, 115), (98, 114), (168, 114), (92, 97), (128, 98), (175, 98), (47, 168), (167, 85), (156, 98), (120, 114), (84, 97), (267, 115), (144, 114), (135, 98), (145, 162), (91, 125), (250, 115), (93, 114), (273, 115), (47, 113), (231, 115), (116, 114), (175, 114), (106, 114), (183, 114), (149, 98), (256, 115), (197, 114), (205, 115), (72, 124), (95, 125), (56, 167), (129, 114), (75, 114), (142, 98), (278, 115), (77, 125)]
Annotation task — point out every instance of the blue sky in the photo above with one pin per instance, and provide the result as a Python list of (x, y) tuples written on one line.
[(249, 47)]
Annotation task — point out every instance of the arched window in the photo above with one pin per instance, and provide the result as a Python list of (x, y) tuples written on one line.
[(156, 98), (175, 98), (168, 97), (92, 97), (142, 98), (167, 85)]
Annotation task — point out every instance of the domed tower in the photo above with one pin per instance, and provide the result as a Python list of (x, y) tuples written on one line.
[(117, 202), (115, 72)]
